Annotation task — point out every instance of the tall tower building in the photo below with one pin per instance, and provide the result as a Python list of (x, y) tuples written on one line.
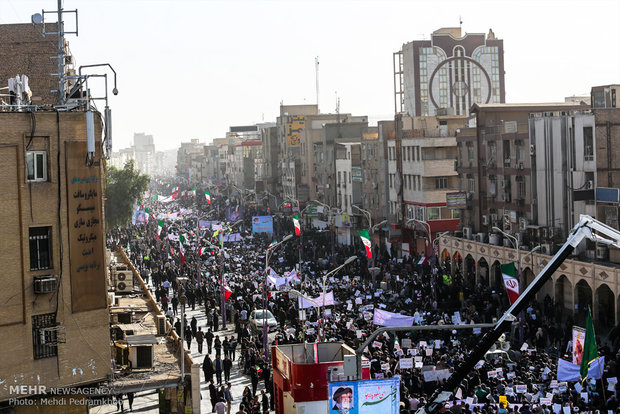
[(449, 73)]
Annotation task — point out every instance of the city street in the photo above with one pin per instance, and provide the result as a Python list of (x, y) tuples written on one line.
[(147, 401)]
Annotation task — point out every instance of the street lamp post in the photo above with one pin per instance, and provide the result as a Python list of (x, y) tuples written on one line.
[(336, 270), (223, 292), (267, 256), (296, 292)]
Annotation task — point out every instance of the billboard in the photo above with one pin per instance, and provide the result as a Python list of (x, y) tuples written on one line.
[(294, 125), (361, 397), (262, 224), (456, 201)]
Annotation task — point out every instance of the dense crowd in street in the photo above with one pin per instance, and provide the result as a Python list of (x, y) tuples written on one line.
[(522, 373)]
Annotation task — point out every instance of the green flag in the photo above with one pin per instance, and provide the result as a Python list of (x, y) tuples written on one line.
[(590, 350)]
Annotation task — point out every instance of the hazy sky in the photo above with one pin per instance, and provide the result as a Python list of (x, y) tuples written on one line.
[(191, 69)]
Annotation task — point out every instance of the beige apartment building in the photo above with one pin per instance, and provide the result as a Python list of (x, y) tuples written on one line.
[(54, 321)]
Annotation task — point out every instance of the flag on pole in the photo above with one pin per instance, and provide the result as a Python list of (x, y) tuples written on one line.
[(422, 260), (182, 249), (208, 197), (366, 240), (510, 281), (273, 243), (227, 292), (296, 223), (590, 350), (160, 226)]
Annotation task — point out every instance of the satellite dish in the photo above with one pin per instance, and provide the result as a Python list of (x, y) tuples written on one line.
[(37, 18)]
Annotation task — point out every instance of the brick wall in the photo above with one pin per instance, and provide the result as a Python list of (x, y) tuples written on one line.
[(26, 51)]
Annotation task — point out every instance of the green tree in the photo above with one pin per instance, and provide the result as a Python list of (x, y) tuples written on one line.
[(123, 188)]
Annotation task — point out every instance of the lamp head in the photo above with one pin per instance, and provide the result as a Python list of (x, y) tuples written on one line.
[(350, 259), (286, 238)]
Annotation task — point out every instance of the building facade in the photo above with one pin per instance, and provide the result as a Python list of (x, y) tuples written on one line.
[(54, 317), (449, 73)]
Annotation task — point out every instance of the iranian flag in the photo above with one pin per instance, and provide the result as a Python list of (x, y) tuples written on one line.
[(422, 260), (182, 249), (273, 243), (160, 226), (366, 240), (296, 223), (510, 281), (192, 192), (208, 197), (227, 292), (287, 205)]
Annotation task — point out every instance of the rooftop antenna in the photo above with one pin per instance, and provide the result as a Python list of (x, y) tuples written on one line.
[(460, 22), (60, 57), (316, 71)]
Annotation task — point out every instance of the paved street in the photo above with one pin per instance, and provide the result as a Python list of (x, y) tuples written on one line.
[(147, 402)]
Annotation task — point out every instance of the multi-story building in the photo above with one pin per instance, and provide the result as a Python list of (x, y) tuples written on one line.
[(290, 125), (373, 169), (54, 317), (521, 167), (54, 320), (144, 153), (421, 173), (187, 159), (606, 108), (448, 73)]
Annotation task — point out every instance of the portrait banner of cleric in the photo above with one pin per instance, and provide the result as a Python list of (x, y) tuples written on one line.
[(342, 400)]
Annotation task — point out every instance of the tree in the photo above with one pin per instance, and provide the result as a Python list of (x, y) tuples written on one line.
[(123, 188)]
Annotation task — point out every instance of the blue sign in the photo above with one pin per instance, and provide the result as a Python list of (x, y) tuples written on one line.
[(364, 397), (262, 224), (607, 195)]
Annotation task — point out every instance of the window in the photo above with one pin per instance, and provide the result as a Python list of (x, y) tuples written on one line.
[(521, 189), (470, 151), (44, 339), (472, 185), (432, 213), (40, 248), (441, 182), (588, 144), (36, 162)]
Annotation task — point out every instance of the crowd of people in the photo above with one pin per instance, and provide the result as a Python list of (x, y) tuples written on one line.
[(518, 376)]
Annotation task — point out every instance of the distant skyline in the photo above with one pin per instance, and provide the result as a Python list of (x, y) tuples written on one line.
[(191, 69)]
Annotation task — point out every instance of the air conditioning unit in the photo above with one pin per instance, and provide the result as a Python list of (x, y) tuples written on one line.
[(522, 224), (141, 356), (161, 324), (504, 197), (601, 252), (519, 237), (480, 237), (123, 282), (467, 233), (507, 243), (520, 165), (45, 284), (493, 217), (532, 150), (485, 220), (545, 249)]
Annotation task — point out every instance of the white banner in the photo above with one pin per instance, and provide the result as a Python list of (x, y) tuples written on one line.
[(318, 301), (385, 318)]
